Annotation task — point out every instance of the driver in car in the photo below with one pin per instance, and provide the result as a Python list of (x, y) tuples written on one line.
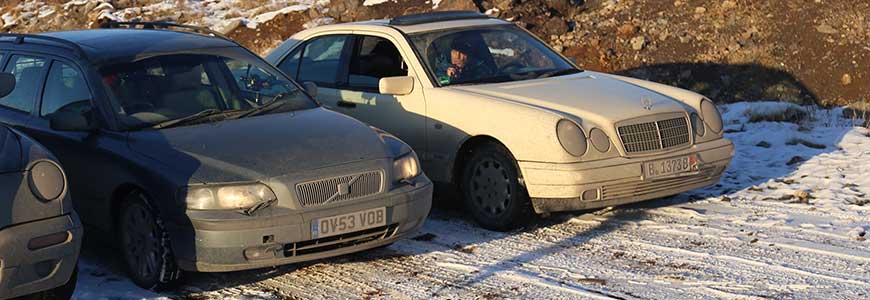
[(465, 65)]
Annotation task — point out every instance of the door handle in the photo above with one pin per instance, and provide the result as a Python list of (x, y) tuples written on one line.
[(346, 104)]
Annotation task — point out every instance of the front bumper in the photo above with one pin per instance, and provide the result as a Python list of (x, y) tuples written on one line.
[(24, 271), (221, 246), (560, 187)]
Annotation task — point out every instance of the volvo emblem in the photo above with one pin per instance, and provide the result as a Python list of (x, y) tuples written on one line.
[(647, 102), (343, 189)]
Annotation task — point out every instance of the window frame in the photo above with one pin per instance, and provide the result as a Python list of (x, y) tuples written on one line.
[(41, 98), (344, 58), (36, 100), (357, 43)]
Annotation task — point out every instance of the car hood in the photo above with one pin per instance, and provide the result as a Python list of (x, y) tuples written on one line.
[(591, 96), (261, 147)]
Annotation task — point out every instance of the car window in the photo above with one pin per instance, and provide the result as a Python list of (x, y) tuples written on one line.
[(290, 65), (28, 71), (486, 55), (257, 82), (174, 86), (374, 58), (321, 60), (65, 91)]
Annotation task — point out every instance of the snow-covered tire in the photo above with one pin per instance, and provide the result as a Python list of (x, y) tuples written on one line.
[(145, 244), (492, 189)]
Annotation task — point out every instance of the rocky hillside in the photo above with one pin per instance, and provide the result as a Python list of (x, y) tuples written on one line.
[(802, 51)]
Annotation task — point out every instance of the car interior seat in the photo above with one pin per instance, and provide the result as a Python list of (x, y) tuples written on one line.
[(187, 94)]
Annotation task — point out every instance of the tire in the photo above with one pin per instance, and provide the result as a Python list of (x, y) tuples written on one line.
[(490, 185), (63, 292), (145, 244)]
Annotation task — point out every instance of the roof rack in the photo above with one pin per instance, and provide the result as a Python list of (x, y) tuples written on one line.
[(438, 16), (19, 38), (163, 25)]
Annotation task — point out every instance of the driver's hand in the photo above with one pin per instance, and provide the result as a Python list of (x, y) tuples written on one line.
[(453, 71)]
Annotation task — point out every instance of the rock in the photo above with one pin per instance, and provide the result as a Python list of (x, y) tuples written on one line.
[(795, 160), (763, 144), (801, 194), (827, 29), (555, 26), (627, 30), (426, 237), (637, 43), (700, 10), (846, 79), (727, 4)]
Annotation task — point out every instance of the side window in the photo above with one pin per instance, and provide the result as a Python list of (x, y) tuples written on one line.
[(374, 58), (28, 71), (321, 60), (65, 91), (290, 65)]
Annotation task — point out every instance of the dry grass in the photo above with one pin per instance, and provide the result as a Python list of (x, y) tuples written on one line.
[(790, 114)]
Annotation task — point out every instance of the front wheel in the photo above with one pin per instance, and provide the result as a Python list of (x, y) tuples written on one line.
[(492, 190), (145, 244)]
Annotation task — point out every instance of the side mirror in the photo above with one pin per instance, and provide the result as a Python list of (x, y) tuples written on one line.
[(310, 88), (7, 84), (70, 121), (399, 85)]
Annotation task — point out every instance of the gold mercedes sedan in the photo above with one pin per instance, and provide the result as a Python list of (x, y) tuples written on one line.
[(519, 128)]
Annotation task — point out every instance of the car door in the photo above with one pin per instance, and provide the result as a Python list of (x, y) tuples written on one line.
[(16, 109), (66, 90), (369, 58)]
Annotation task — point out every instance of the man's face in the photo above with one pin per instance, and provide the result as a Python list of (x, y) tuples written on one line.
[(458, 58)]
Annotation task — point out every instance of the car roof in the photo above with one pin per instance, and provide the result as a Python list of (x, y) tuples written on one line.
[(101, 45), (415, 27)]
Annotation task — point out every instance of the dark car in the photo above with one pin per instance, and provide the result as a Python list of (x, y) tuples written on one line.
[(40, 234), (198, 155)]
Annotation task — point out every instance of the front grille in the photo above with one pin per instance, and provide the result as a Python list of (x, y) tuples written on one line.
[(341, 188), (654, 136), (340, 241)]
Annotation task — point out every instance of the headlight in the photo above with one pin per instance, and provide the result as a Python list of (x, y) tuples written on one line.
[(711, 115), (698, 125), (228, 197), (571, 137), (47, 181), (406, 167), (599, 140)]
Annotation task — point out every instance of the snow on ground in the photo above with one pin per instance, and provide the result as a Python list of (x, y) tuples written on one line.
[(775, 227)]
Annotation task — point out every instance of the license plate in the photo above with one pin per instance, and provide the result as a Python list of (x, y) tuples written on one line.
[(351, 222), (670, 167)]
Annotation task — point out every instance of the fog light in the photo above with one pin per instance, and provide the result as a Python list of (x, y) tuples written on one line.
[(590, 195), (47, 181)]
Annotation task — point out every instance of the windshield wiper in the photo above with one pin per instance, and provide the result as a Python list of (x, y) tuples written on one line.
[(196, 116), (559, 72), (269, 105)]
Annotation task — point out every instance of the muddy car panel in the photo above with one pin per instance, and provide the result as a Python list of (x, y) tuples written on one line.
[(272, 149), (40, 233)]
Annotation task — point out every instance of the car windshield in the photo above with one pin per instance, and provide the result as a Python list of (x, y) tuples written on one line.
[(487, 54), (198, 87)]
